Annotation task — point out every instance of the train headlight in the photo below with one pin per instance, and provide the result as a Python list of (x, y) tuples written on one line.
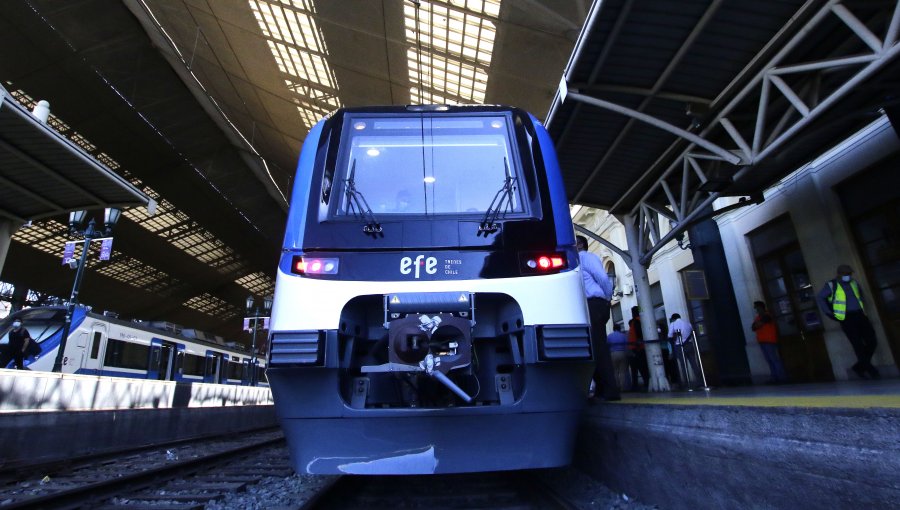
[(314, 265)]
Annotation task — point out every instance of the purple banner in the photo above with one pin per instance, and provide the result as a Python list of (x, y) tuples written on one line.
[(246, 324), (105, 249), (69, 252)]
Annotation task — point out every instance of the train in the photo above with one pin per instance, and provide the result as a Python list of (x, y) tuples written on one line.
[(429, 312), (102, 345)]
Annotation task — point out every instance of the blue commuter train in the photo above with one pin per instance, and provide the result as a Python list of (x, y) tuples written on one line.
[(429, 314), (102, 345)]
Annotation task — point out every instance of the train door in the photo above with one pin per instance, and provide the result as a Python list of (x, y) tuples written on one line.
[(213, 372), (162, 360), (98, 347), (179, 361), (81, 341)]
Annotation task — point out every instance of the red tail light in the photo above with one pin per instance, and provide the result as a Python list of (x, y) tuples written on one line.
[(314, 265), (544, 263)]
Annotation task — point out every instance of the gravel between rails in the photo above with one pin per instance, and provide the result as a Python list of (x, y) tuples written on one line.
[(293, 491)]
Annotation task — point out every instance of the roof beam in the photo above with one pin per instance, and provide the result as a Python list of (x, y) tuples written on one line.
[(639, 91), (653, 121), (660, 81), (768, 92)]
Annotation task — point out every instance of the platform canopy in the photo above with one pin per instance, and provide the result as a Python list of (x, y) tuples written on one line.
[(43, 173), (666, 106)]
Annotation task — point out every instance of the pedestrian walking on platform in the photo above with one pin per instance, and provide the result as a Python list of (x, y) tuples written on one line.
[(841, 300), (681, 333), (767, 337), (19, 338), (598, 291)]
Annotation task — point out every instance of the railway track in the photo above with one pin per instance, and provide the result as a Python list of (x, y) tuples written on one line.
[(496, 491), (186, 477), (253, 471)]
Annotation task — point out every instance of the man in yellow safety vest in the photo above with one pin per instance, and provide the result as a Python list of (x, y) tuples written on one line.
[(840, 299)]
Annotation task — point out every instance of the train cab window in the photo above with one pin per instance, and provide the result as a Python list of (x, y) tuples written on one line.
[(446, 165), (40, 323), (95, 345)]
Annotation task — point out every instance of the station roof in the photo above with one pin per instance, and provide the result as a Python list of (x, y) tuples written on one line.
[(204, 106), (42, 173), (770, 83)]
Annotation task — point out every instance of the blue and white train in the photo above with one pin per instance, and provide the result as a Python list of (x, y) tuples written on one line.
[(102, 345), (429, 315)]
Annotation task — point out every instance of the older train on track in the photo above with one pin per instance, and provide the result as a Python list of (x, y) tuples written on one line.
[(106, 346), (429, 315)]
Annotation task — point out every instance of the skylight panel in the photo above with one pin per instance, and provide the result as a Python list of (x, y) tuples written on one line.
[(50, 237), (169, 223), (211, 305), (258, 283), (299, 50), (450, 49)]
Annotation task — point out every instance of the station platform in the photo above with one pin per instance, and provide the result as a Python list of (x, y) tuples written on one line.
[(47, 417), (833, 445)]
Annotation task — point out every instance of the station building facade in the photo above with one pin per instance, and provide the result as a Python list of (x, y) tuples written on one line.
[(842, 208)]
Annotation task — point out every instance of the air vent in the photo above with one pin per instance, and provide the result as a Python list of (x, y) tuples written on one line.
[(564, 342), (297, 348)]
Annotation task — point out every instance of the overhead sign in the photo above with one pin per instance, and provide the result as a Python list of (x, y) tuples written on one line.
[(69, 252), (106, 248)]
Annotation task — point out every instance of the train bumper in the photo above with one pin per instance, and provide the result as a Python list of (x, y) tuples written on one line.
[(327, 436)]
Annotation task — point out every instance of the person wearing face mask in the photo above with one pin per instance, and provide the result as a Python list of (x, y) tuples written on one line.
[(841, 300), (19, 338)]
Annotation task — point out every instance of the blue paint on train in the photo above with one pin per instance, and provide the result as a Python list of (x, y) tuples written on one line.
[(564, 233), (293, 236)]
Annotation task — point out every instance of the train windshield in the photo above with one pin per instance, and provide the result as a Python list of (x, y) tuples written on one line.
[(425, 165), (41, 323)]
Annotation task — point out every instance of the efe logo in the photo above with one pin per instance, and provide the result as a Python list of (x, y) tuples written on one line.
[(430, 265)]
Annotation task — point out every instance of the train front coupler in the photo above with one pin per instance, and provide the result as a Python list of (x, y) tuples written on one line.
[(429, 333)]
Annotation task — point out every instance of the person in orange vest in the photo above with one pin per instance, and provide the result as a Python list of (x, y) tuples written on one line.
[(767, 336), (637, 359)]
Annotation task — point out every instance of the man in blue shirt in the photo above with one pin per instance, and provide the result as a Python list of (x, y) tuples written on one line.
[(598, 291)]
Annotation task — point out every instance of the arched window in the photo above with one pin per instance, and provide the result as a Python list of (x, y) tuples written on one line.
[(611, 272)]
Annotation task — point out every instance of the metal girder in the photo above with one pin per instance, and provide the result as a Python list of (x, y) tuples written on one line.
[(781, 84), (605, 242)]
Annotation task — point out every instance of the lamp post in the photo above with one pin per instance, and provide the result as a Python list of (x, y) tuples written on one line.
[(253, 316), (89, 233)]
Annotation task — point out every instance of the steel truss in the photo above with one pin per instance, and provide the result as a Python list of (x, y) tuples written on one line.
[(787, 96)]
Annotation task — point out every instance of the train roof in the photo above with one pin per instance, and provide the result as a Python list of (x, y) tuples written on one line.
[(478, 108)]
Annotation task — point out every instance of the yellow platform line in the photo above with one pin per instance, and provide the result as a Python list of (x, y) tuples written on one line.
[(836, 401)]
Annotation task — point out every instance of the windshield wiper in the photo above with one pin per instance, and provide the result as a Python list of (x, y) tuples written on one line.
[(489, 223), (357, 204)]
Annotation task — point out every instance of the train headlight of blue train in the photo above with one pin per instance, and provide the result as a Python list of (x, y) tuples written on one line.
[(429, 315)]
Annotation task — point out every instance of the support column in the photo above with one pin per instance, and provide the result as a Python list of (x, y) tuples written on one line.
[(7, 229), (658, 381)]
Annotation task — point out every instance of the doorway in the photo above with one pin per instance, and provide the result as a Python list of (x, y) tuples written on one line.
[(791, 299), (873, 211)]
